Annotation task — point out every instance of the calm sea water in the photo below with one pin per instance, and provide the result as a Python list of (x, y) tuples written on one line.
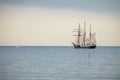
[(59, 63)]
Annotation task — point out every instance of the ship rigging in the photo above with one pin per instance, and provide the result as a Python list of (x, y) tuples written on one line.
[(84, 40)]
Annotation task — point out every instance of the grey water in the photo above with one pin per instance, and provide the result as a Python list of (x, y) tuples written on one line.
[(59, 63)]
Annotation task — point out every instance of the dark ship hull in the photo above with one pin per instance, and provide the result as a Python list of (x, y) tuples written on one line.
[(91, 47), (84, 47)]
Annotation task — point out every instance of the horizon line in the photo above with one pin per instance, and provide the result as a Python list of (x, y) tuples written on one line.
[(51, 46)]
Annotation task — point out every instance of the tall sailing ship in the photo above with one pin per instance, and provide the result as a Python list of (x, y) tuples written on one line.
[(84, 39)]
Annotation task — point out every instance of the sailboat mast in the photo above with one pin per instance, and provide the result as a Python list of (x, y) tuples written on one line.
[(78, 35), (18, 40), (84, 34), (90, 34)]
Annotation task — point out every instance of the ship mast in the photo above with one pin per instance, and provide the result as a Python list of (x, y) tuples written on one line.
[(84, 37), (78, 40), (90, 34)]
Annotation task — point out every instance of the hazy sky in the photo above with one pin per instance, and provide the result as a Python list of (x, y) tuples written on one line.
[(51, 22)]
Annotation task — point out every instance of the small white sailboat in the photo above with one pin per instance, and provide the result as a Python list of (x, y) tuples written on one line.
[(18, 43)]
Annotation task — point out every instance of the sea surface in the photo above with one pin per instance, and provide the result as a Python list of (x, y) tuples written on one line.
[(59, 63)]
